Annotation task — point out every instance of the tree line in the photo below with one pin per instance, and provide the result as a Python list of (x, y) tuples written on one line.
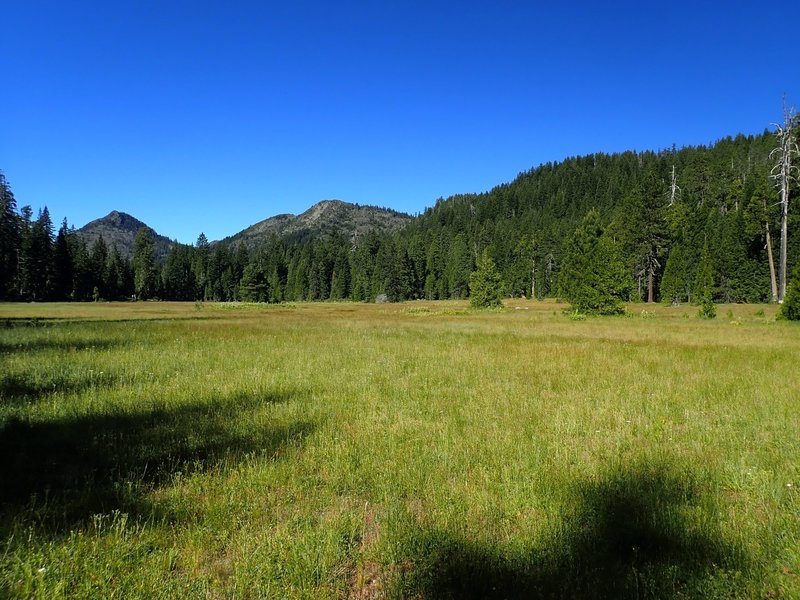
[(678, 225)]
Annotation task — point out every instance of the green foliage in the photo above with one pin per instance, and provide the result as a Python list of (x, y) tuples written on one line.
[(145, 273), (593, 278), (675, 283), (726, 200), (485, 284), (643, 231), (704, 286), (9, 240), (790, 309), (253, 286)]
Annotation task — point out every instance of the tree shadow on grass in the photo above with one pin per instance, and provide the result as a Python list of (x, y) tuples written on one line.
[(17, 389), (63, 345), (647, 532), (67, 470)]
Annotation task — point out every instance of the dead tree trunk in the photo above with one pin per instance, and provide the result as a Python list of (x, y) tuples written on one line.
[(772, 281), (674, 189), (784, 173)]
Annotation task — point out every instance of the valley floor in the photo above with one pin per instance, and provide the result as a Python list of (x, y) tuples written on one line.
[(414, 450)]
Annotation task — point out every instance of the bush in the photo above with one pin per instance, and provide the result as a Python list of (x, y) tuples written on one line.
[(708, 309)]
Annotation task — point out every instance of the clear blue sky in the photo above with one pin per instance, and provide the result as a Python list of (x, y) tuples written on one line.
[(210, 116)]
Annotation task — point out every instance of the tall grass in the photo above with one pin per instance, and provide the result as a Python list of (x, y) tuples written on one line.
[(418, 450)]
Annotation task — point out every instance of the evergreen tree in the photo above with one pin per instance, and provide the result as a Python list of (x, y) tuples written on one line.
[(704, 285), (253, 286), (200, 267), (433, 269), (459, 267), (63, 264), (36, 260), (675, 286), (593, 278), (340, 277), (145, 273), (115, 275), (9, 240), (485, 285), (178, 275), (644, 231), (98, 264), (790, 309), (82, 282)]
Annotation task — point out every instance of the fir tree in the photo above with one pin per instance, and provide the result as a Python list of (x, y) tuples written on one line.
[(63, 263), (704, 286), (485, 285), (593, 278), (145, 276), (790, 309), (9, 240), (675, 283), (253, 286)]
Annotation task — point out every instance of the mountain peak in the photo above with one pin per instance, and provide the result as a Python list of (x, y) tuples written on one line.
[(119, 229), (121, 220), (323, 219)]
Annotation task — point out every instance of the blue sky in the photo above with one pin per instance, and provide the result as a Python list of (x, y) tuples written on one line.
[(210, 116)]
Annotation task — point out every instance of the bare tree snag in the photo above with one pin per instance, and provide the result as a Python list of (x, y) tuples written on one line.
[(784, 173), (674, 189), (772, 281)]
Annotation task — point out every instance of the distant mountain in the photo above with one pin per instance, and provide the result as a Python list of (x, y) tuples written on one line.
[(119, 229), (324, 219)]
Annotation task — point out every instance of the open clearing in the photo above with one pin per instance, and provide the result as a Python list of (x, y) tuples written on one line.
[(420, 450)]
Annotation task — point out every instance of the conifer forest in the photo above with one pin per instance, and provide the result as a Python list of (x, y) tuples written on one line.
[(675, 224)]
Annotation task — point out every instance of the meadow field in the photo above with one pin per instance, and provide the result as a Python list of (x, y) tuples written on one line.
[(416, 450)]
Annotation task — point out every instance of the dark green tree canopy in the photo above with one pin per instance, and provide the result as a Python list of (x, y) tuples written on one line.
[(593, 278), (485, 284)]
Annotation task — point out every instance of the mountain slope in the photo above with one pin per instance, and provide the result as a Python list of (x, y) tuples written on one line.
[(324, 219), (119, 229)]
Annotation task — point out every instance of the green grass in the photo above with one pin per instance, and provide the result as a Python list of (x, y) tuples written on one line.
[(418, 450)]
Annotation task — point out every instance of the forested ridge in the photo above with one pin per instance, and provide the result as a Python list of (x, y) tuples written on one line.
[(679, 220)]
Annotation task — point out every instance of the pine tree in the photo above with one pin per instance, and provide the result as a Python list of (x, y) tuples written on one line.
[(485, 285), (63, 264), (98, 262), (459, 267), (675, 282), (253, 286), (790, 309), (145, 277), (178, 276), (593, 278), (644, 230), (9, 240), (37, 257), (704, 285)]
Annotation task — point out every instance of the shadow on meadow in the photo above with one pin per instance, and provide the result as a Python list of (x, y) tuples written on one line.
[(67, 470), (17, 389), (642, 533), (42, 344)]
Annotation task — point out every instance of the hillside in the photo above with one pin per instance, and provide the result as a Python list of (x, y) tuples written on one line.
[(119, 229), (322, 220), (670, 215)]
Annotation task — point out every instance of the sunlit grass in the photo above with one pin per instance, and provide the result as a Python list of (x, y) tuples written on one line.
[(411, 450)]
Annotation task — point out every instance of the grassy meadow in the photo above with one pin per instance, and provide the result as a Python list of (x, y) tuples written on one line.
[(417, 450)]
